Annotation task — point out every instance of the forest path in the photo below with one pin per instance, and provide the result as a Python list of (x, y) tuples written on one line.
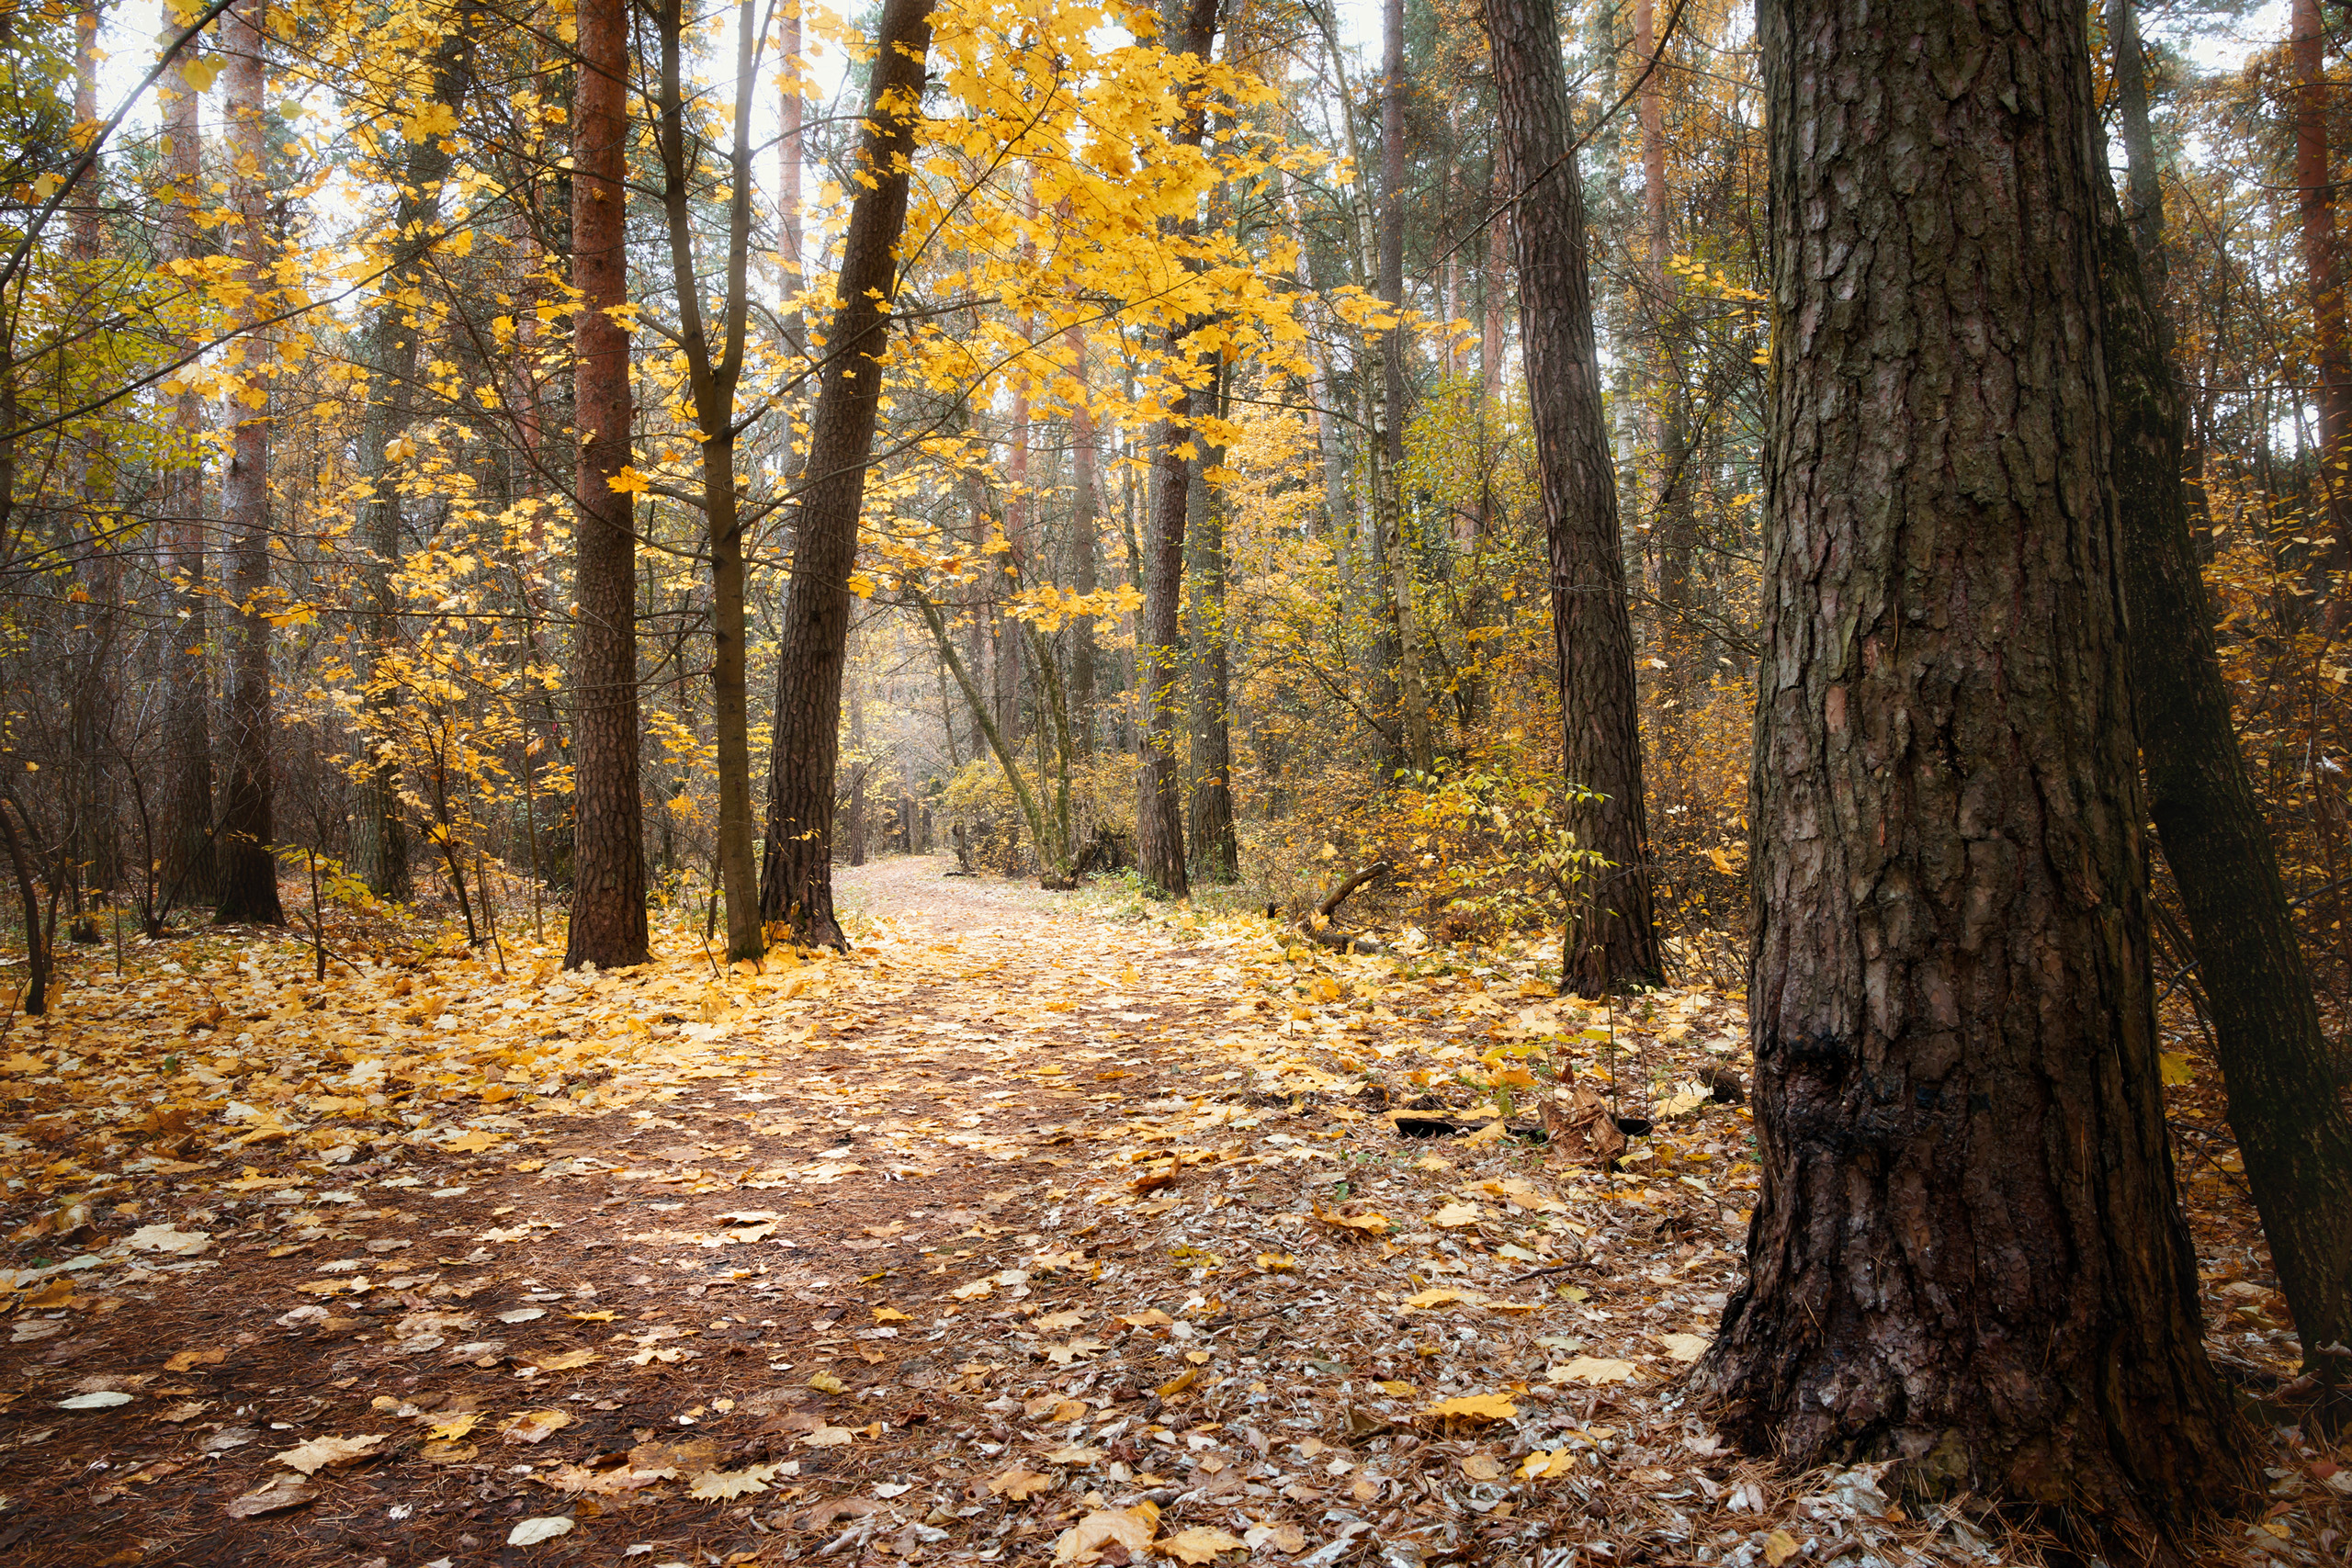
[(1017, 1234)]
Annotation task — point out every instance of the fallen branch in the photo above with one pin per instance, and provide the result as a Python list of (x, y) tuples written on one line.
[(1376, 869), (1339, 941)]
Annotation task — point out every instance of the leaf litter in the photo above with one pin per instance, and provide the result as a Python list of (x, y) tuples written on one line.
[(1014, 1234)]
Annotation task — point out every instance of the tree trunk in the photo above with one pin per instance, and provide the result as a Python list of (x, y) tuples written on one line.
[(1616, 941), (1671, 522), (189, 865), (1159, 649), (248, 833), (1085, 505), (1216, 850), (608, 926), (1388, 481), (2324, 278), (1968, 1251), (712, 375), (379, 850), (1494, 289), (2292, 1119), (797, 880)]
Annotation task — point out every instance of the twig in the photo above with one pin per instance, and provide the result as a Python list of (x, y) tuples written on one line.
[(1539, 1273)]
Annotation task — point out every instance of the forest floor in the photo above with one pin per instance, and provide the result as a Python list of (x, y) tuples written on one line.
[(1018, 1234)]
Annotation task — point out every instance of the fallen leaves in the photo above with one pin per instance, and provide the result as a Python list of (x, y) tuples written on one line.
[(1202, 1543), (1594, 1369), (1130, 1529), (274, 1496), (167, 1239), (1018, 1484), (726, 1486), (1474, 1407), (535, 1426), (326, 1453), (530, 1533)]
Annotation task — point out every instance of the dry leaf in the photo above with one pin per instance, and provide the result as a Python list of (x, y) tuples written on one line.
[(1201, 1544), (1779, 1547), (1287, 1539), (1595, 1370), (105, 1399), (274, 1495), (537, 1425), (1685, 1346), (568, 1360), (724, 1486), (1454, 1216), (1474, 1407), (1019, 1484), (1481, 1467), (530, 1533), (323, 1453), (165, 1238), (1131, 1529), (828, 1438), (456, 1426), (185, 1361)]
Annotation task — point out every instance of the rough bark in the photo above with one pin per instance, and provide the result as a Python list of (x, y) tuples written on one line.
[(247, 843), (608, 927), (2292, 1118), (1494, 289), (1968, 1251), (2322, 258), (1616, 942), (1672, 523), (189, 861), (796, 878), (1217, 848), (1159, 649), (713, 373), (380, 849)]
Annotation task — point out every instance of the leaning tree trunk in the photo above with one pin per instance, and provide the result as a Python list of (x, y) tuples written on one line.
[(797, 875), (1592, 637), (608, 822), (1968, 1251), (2285, 1105), (1159, 647), (248, 832)]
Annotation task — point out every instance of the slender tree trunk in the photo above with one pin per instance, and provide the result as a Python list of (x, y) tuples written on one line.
[(379, 850), (797, 880), (248, 832), (1968, 1251), (1389, 478), (608, 926), (712, 376), (1592, 637), (1216, 850), (1085, 505), (190, 866), (1671, 520), (2292, 1118), (1160, 650), (1494, 289), (2324, 279)]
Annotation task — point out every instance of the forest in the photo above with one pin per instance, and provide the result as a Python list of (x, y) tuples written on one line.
[(1530, 783)]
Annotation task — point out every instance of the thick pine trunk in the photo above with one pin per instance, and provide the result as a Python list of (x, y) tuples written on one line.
[(1968, 1251), (248, 830), (796, 878), (189, 865), (2292, 1119), (1616, 942), (1159, 647), (608, 927)]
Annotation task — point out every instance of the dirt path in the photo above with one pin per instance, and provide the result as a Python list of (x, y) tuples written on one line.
[(1015, 1234)]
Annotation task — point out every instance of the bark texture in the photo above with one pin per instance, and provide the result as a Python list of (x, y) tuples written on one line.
[(1592, 636), (608, 814), (796, 873), (189, 861), (1159, 645), (2292, 1118), (247, 843), (1968, 1251)]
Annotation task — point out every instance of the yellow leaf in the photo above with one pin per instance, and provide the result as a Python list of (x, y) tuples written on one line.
[(1455, 1215), (628, 482), (890, 1315), (1019, 1484), (825, 1383), (1474, 1407), (1685, 1346), (2174, 1069), (1131, 1529), (1202, 1543), (1779, 1547), (456, 1427), (535, 1426), (1594, 1369), (199, 74)]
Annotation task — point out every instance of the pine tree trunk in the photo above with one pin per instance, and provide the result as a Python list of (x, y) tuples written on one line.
[(1616, 941), (1968, 1251), (608, 927), (1159, 647), (1216, 850), (189, 871), (1085, 526), (797, 878), (247, 843), (2292, 1118)]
